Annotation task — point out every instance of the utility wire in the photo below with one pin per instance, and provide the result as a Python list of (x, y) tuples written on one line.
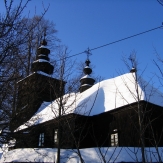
[(114, 42), (126, 38)]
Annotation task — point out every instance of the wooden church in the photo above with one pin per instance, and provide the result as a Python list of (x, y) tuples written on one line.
[(122, 111)]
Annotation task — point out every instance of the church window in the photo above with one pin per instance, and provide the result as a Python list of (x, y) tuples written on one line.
[(41, 140), (114, 140), (55, 135)]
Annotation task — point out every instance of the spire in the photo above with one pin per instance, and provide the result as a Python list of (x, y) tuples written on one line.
[(87, 70), (132, 59), (86, 81), (44, 40), (42, 60)]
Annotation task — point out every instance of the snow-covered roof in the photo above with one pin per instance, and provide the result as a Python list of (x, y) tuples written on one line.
[(86, 85), (37, 72), (43, 73), (86, 76), (86, 67), (41, 60), (104, 96), (42, 46), (41, 55)]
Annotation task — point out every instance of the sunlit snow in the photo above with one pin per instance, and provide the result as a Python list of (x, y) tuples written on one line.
[(89, 155), (102, 97)]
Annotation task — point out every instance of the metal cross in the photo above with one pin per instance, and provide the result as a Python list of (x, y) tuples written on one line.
[(88, 52)]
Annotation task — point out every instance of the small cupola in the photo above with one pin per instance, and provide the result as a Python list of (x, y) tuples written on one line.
[(86, 81), (42, 60), (133, 61), (133, 70)]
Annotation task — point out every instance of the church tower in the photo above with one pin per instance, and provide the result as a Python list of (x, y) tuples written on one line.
[(42, 63), (86, 81), (36, 88)]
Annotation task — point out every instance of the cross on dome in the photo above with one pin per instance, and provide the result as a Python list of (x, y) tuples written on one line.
[(86, 81), (88, 52), (44, 42)]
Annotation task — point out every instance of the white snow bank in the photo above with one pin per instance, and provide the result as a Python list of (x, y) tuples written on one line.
[(101, 97), (89, 155)]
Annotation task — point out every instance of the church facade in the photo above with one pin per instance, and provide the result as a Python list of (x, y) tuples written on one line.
[(114, 112), (116, 128)]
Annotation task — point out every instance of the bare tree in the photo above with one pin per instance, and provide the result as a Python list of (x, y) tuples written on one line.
[(139, 119), (14, 31), (148, 115), (160, 2)]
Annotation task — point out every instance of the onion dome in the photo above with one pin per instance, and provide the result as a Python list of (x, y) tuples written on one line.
[(86, 81), (42, 60), (133, 70)]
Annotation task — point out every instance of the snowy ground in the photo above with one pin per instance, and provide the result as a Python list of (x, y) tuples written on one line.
[(89, 155)]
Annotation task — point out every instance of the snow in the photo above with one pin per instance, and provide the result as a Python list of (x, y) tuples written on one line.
[(37, 72), (24, 107), (41, 55), (42, 46), (86, 85), (86, 76), (41, 60), (89, 155), (43, 73), (101, 97), (25, 78)]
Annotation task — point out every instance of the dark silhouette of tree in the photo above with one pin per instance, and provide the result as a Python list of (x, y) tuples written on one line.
[(160, 2), (16, 53)]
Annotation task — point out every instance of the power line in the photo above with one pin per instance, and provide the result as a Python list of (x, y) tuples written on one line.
[(126, 38), (115, 42)]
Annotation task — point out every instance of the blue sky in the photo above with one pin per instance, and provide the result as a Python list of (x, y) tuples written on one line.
[(91, 23)]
